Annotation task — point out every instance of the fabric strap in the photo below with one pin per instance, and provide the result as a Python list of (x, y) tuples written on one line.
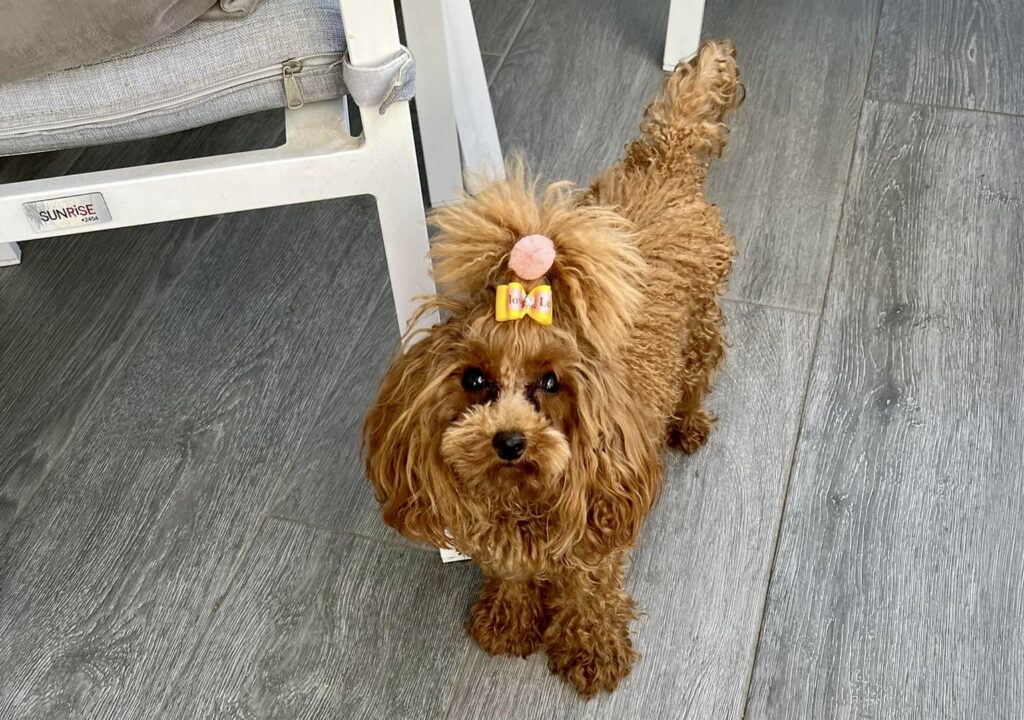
[(392, 81), (230, 10)]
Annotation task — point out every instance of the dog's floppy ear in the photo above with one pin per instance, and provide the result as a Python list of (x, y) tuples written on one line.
[(402, 442), (597, 271), (615, 456)]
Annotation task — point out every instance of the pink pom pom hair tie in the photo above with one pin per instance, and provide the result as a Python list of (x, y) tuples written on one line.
[(532, 256)]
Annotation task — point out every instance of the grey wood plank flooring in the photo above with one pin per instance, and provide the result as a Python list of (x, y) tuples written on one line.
[(327, 485), (111, 573), (66, 332), (30, 167), (571, 91), (804, 64), (957, 53), (330, 626), (77, 306), (491, 64), (497, 23), (897, 592), (701, 571)]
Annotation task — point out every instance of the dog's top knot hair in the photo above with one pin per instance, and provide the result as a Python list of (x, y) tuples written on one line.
[(509, 229)]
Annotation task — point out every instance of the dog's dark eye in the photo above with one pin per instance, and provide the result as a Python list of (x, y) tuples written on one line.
[(473, 379), (549, 383)]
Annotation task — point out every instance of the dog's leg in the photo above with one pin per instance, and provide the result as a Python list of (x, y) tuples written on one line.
[(691, 424), (508, 618), (588, 635)]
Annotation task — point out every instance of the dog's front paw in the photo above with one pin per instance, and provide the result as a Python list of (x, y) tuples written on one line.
[(508, 619), (690, 432), (592, 663)]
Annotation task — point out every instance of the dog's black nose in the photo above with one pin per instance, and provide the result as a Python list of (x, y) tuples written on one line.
[(510, 445)]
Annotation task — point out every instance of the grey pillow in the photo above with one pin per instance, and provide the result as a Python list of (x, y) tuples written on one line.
[(41, 36)]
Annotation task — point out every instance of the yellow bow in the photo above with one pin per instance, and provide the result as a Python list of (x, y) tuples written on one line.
[(512, 302)]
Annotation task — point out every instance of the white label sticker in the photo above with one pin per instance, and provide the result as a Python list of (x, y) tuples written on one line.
[(450, 554), (67, 212)]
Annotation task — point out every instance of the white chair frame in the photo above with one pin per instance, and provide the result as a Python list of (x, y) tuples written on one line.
[(682, 41), (451, 95), (320, 160)]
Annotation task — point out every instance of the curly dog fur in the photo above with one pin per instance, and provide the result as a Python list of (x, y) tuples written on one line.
[(641, 264)]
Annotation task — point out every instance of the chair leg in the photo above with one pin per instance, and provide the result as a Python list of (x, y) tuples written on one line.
[(682, 41), (406, 246), (372, 33), (425, 34), (402, 224), (10, 254), (474, 116)]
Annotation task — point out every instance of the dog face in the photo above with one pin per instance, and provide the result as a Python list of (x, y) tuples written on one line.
[(506, 433), (508, 444), (520, 440)]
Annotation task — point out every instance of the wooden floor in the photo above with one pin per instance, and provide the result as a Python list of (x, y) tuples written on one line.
[(185, 531)]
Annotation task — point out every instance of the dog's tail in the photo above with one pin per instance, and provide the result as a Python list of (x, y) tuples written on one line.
[(688, 117), (681, 131)]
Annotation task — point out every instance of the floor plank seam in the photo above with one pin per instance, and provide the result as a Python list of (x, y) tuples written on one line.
[(948, 108), (770, 306), (351, 533), (777, 532), (809, 372), (104, 386), (512, 42), (497, 66)]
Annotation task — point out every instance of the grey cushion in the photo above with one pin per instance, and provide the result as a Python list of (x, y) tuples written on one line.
[(205, 72), (41, 36)]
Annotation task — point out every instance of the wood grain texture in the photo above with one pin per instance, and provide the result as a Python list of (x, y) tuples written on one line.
[(67, 333), (75, 307), (956, 53), (330, 626), (327, 485), (804, 64), (571, 91), (701, 571), (491, 64), (897, 592), (497, 22), (111, 573)]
